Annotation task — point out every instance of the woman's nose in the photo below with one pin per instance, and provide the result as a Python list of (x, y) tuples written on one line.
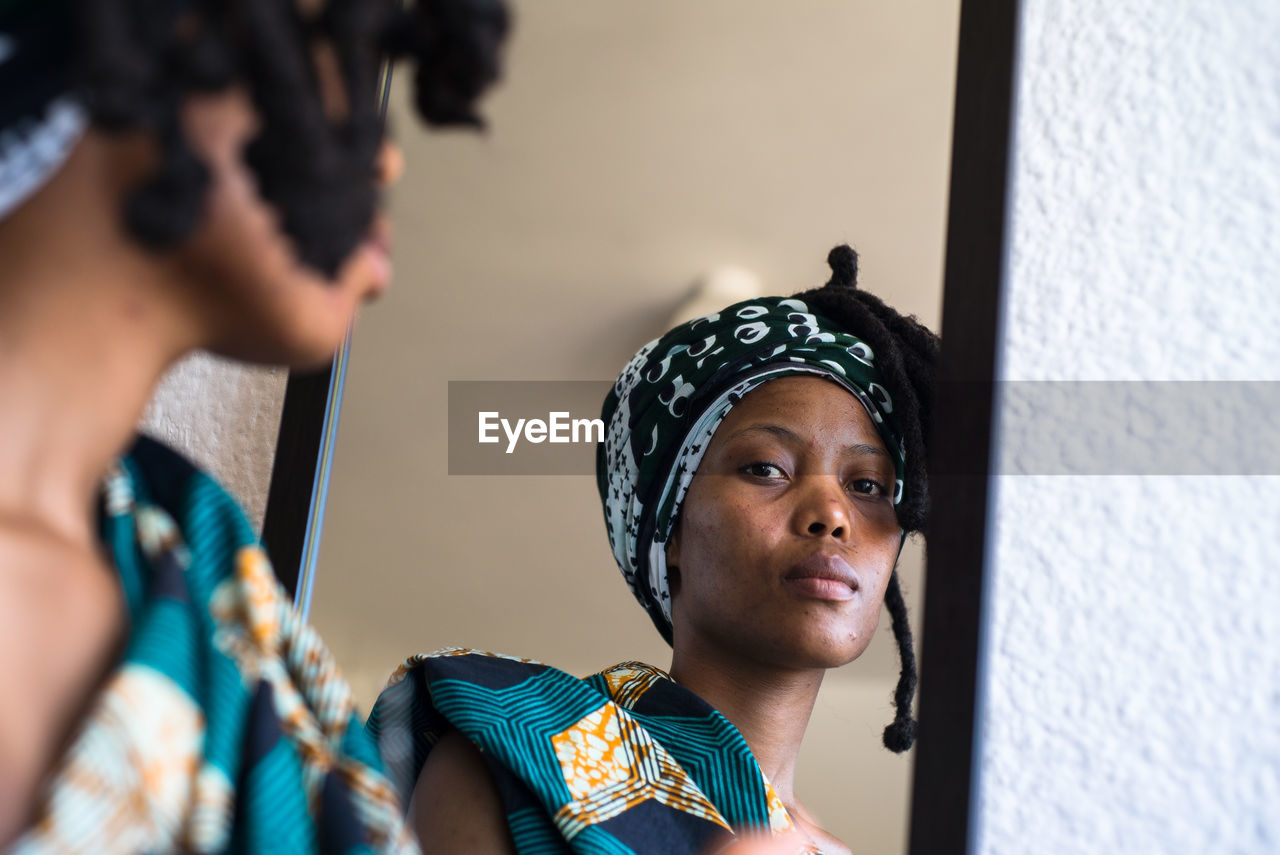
[(823, 510)]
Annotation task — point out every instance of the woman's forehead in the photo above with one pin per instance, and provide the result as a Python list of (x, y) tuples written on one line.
[(800, 409)]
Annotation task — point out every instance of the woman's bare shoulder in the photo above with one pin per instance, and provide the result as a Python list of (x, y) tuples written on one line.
[(61, 618), (54, 596), (456, 806)]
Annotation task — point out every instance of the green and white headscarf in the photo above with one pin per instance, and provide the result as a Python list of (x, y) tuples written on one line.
[(40, 120), (674, 393)]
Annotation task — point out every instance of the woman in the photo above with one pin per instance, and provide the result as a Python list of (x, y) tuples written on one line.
[(175, 176), (761, 469)]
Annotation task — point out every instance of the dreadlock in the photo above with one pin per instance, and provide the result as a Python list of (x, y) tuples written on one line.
[(139, 60), (905, 352)]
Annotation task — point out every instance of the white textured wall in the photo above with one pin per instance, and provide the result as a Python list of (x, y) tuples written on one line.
[(1133, 682), (224, 416)]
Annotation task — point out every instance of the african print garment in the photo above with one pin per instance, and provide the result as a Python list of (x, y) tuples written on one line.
[(225, 727), (625, 761)]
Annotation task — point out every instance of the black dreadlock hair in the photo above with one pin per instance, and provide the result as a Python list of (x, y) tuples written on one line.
[(139, 59), (905, 352)]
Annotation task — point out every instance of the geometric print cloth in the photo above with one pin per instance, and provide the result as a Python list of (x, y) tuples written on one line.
[(624, 761), (671, 397), (225, 726)]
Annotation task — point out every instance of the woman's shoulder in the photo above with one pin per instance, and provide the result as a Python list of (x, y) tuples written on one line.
[(456, 805), (506, 683), (492, 675), (626, 752), (157, 505), (161, 475), (61, 624), (166, 470), (56, 598)]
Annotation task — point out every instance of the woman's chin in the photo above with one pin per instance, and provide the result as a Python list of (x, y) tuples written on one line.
[(297, 349), (826, 650)]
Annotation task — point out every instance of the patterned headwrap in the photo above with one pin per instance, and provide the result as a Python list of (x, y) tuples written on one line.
[(40, 121), (673, 394)]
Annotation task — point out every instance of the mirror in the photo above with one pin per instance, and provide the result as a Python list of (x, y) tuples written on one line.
[(634, 147)]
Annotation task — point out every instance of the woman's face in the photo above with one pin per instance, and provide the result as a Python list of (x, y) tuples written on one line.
[(252, 296), (788, 535)]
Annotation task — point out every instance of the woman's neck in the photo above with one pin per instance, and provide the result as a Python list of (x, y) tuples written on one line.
[(769, 706), (86, 331)]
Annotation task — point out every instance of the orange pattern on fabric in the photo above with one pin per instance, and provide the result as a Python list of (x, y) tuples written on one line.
[(591, 753), (779, 819), (628, 682), (610, 764)]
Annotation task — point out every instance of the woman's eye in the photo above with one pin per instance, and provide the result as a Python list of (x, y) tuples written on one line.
[(761, 469), (867, 487)]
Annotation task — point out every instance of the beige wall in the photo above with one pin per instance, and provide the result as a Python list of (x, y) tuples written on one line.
[(634, 146), (224, 416)]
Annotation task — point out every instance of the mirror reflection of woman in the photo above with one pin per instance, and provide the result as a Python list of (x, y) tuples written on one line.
[(182, 176), (761, 469)]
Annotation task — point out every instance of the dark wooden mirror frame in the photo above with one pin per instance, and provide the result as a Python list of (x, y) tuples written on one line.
[(944, 783)]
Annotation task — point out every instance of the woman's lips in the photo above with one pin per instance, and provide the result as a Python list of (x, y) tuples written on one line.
[(823, 577)]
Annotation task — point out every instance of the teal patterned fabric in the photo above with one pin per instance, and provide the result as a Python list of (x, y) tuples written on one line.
[(674, 393), (225, 726), (624, 761)]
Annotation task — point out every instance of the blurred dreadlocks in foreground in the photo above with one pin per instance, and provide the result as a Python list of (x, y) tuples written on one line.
[(131, 64), (179, 175)]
